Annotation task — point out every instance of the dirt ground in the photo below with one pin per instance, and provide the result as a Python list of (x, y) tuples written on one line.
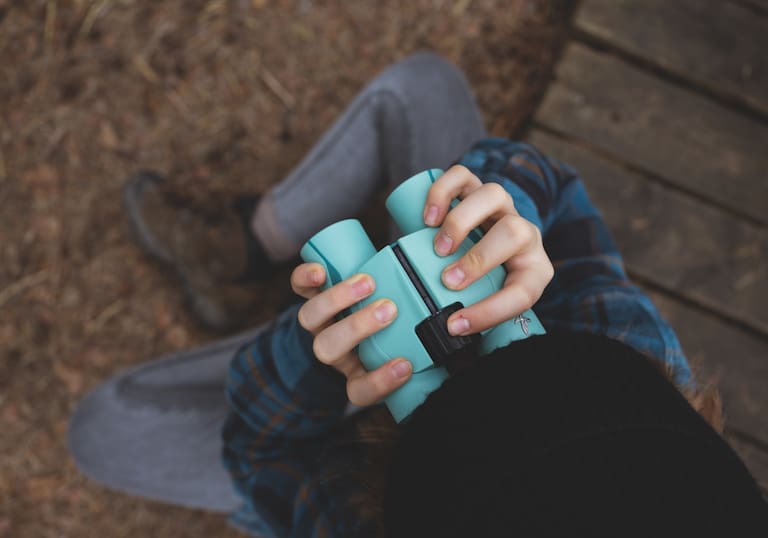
[(221, 95)]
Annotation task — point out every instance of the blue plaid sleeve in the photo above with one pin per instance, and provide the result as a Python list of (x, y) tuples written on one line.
[(590, 290), (282, 402)]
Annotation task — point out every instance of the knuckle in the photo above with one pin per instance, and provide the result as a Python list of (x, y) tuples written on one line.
[(355, 395), (302, 317), (549, 270), (463, 176), (533, 230), (482, 311), (319, 348), (359, 323), (528, 296), (523, 227), (459, 170), (474, 259), (534, 233), (509, 202), (495, 190), (472, 181), (379, 386), (508, 224), (337, 301), (516, 226), (438, 193), (450, 225), (466, 172)]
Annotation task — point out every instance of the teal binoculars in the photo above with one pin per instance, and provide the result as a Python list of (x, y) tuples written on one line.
[(408, 272)]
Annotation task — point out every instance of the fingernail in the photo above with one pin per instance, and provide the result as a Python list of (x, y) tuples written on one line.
[(458, 326), (443, 244), (401, 368), (454, 276), (385, 311), (431, 216), (316, 277), (362, 286)]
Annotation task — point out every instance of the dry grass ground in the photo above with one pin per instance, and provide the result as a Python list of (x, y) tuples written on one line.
[(221, 95)]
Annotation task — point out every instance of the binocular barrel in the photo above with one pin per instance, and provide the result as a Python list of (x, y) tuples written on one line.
[(406, 203), (347, 243), (344, 242)]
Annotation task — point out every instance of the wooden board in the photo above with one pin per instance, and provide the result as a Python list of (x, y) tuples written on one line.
[(675, 134), (737, 359), (667, 252), (721, 46), (703, 253), (761, 6)]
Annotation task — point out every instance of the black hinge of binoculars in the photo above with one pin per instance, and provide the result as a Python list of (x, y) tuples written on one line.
[(444, 348)]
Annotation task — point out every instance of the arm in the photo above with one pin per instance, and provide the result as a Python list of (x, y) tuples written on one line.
[(281, 389), (278, 388), (287, 390), (282, 401), (590, 290)]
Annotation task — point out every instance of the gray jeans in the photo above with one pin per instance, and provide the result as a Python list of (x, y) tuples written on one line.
[(417, 114), (154, 430)]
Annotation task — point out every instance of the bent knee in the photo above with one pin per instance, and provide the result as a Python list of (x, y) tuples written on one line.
[(419, 72)]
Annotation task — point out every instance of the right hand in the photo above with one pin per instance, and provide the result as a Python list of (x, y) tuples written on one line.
[(335, 341)]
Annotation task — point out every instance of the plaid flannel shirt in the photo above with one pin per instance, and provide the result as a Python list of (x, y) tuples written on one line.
[(285, 404)]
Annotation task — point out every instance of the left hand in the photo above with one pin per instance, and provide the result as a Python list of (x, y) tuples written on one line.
[(509, 239)]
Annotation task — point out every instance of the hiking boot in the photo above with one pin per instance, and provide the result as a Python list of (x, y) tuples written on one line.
[(222, 267)]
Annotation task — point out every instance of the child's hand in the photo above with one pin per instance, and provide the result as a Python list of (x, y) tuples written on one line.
[(335, 341), (509, 240)]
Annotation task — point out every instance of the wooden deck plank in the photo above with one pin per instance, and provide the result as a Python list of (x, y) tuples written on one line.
[(720, 46), (675, 134), (665, 237), (736, 358), (681, 179), (760, 5), (701, 252)]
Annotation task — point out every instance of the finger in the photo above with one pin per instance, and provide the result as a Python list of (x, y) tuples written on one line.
[(519, 293), (320, 309), (349, 365), (457, 182), (307, 278), (488, 202), (508, 237), (366, 388), (334, 342)]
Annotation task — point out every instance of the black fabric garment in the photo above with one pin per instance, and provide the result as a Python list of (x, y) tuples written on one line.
[(566, 434)]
